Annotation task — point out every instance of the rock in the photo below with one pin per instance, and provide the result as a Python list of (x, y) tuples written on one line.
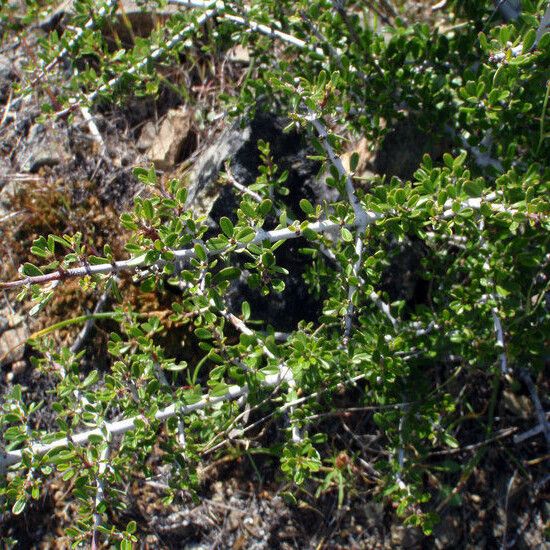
[(146, 137), (448, 533), (374, 514), (239, 55), (239, 146), (44, 147), (6, 77), (405, 537), (204, 190), (519, 405), (403, 147), (13, 335), (364, 155), (175, 141), (510, 10)]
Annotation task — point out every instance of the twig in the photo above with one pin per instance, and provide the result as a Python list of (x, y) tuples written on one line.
[(481, 159), (500, 341), (530, 433), (258, 198), (544, 26), (181, 255), (90, 24), (273, 33), (384, 308), (541, 416), (504, 545), (7, 108), (362, 217), (155, 55), (100, 492), (284, 373), (83, 334), (94, 130), (503, 434)]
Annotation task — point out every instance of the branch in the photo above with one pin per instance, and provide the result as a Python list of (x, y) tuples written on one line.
[(181, 255), (155, 55), (530, 433), (120, 427), (271, 32), (362, 217), (90, 24), (100, 493)]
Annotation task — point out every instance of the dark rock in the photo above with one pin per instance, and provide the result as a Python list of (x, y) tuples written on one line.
[(404, 146), (6, 77), (290, 150), (509, 9)]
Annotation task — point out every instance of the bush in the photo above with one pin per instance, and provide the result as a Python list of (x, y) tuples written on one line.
[(479, 212)]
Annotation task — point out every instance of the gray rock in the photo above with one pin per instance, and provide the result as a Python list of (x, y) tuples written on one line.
[(509, 9), (44, 147)]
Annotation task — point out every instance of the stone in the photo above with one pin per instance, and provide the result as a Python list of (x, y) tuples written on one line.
[(510, 10), (519, 405), (405, 537), (6, 77), (239, 55), (361, 147), (448, 533), (13, 335), (44, 147), (238, 145), (175, 140), (403, 147), (146, 137)]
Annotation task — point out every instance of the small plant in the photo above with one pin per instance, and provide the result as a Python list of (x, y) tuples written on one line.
[(481, 212)]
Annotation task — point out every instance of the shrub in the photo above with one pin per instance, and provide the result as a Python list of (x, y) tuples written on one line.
[(480, 211)]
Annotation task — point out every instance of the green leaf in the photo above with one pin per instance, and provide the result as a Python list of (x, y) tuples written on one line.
[(306, 207), (31, 270), (148, 285), (245, 235), (346, 234), (227, 226), (245, 309), (499, 79), (474, 188), (200, 252), (131, 527), (529, 40), (19, 506), (265, 207), (203, 333), (148, 210), (354, 161), (400, 196), (226, 274)]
